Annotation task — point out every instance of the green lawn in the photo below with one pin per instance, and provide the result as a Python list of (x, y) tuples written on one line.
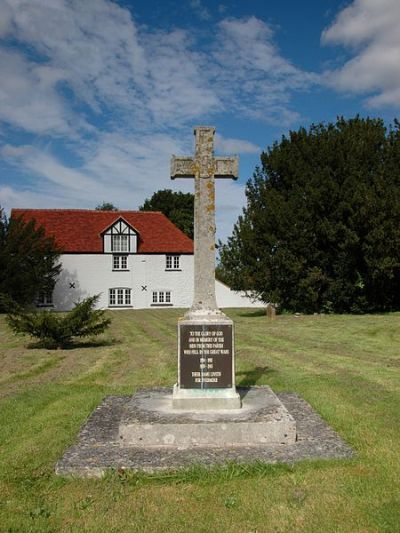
[(346, 367)]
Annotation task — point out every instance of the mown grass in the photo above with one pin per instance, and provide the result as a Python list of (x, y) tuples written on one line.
[(347, 367)]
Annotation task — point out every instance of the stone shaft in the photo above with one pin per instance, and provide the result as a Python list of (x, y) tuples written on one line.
[(204, 244), (204, 168)]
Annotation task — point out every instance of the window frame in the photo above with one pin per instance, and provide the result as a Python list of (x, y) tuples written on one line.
[(119, 297), (116, 247), (45, 299), (173, 262), (161, 298), (119, 267)]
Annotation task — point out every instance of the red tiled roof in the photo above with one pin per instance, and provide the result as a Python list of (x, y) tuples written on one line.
[(79, 230)]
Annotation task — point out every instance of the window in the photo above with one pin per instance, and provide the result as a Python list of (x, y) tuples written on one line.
[(45, 299), (120, 262), (120, 243), (172, 262), (120, 297), (161, 298)]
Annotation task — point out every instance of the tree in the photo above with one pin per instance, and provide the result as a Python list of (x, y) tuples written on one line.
[(58, 330), (106, 206), (321, 230), (28, 260), (177, 206)]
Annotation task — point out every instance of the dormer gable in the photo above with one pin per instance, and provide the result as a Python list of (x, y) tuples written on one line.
[(120, 237)]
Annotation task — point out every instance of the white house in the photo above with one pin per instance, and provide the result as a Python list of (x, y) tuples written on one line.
[(133, 259)]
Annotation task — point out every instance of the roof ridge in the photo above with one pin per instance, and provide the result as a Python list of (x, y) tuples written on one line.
[(73, 210)]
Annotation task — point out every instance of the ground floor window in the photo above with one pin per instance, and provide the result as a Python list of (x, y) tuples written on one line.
[(120, 297), (45, 299), (161, 298)]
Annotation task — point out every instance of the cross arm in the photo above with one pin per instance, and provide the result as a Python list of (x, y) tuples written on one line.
[(182, 167), (227, 167)]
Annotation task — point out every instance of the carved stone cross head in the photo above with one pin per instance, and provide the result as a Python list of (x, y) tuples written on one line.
[(204, 164)]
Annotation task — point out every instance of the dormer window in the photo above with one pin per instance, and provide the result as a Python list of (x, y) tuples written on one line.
[(120, 238), (120, 243)]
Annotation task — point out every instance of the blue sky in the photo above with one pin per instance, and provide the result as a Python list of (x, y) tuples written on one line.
[(95, 95)]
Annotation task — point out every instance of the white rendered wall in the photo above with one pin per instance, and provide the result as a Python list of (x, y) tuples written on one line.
[(92, 274), (226, 297)]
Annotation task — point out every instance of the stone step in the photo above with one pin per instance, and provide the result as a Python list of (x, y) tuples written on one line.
[(149, 420)]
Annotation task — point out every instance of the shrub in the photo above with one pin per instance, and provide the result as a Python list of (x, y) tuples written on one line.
[(58, 330)]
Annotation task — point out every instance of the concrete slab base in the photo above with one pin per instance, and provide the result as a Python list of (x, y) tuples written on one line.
[(149, 420), (98, 450)]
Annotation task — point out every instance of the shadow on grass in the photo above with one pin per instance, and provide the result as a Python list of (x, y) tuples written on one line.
[(39, 345), (253, 314), (252, 377)]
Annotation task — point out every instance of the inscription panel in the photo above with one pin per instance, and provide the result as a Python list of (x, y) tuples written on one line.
[(205, 356)]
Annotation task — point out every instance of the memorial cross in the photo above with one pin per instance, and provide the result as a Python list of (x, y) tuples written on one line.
[(204, 167)]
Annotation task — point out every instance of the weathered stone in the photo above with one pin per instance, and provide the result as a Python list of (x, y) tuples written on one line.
[(198, 368), (149, 420), (98, 449), (204, 168), (271, 311)]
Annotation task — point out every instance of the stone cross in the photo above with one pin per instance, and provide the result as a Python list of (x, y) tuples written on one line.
[(204, 167)]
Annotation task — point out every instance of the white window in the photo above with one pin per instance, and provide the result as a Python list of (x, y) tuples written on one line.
[(120, 262), (172, 262), (120, 297), (45, 299), (120, 243), (162, 298)]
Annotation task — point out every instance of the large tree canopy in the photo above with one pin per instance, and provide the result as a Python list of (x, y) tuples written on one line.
[(321, 230), (28, 260), (177, 206)]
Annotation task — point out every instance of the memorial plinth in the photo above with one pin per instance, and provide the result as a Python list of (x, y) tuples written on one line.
[(206, 365)]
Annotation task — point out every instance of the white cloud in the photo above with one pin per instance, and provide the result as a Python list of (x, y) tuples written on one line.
[(117, 167), (254, 77), (121, 98), (27, 99), (94, 43), (31, 198), (371, 30), (8, 151), (5, 19), (179, 88), (96, 50)]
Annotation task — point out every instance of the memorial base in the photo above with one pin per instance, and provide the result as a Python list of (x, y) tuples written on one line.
[(150, 421), (205, 399)]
